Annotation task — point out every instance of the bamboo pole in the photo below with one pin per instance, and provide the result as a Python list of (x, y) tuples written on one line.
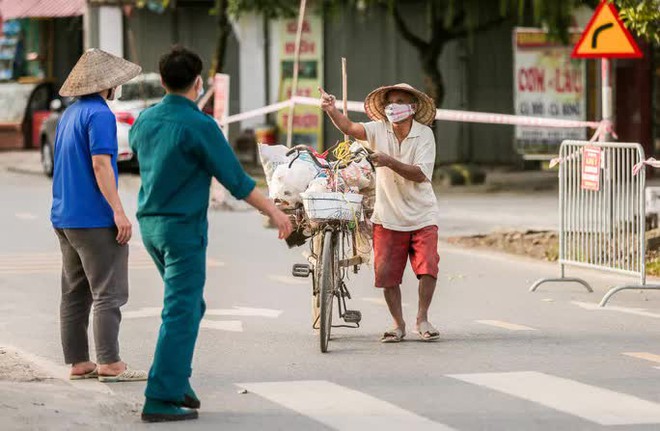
[(296, 62), (344, 89)]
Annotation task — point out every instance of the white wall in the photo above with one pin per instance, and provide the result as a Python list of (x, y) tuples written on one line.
[(250, 35), (275, 54), (111, 30)]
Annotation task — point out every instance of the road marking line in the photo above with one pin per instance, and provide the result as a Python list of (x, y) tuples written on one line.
[(212, 263), (223, 325), (505, 325), (45, 263), (380, 301), (234, 312), (245, 311), (288, 280), (644, 355), (595, 307), (339, 407), (142, 312), (25, 216), (598, 405)]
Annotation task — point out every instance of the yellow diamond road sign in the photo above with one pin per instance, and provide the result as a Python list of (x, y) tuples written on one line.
[(606, 36)]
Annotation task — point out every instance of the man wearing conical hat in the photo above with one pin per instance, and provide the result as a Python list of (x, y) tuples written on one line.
[(406, 211), (89, 219)]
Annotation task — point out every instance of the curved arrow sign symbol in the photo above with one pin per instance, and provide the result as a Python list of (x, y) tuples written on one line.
[(594, 38)]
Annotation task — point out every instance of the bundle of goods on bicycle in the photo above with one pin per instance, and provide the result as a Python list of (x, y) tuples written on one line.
[(292, 173), (335, 185)]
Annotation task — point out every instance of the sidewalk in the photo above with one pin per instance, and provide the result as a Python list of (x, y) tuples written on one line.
[(23, 162), (33, 399)]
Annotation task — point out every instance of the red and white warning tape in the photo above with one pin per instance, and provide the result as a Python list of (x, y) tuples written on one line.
[(648, 162), (441, 115), (604, 128)]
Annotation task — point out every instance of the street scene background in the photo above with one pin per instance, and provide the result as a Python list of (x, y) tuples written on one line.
[(507, 359)]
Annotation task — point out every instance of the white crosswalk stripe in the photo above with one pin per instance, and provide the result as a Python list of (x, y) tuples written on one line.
[(595, 404), (44, 263), (341, 408)]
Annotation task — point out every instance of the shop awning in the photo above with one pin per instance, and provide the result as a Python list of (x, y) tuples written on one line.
[(11, 9)]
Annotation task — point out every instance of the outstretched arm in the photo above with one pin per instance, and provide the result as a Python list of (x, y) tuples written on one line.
[(265, 205), (341, 121)]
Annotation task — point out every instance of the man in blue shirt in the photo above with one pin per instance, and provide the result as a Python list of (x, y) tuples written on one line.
[(180, 149), (89, 219)]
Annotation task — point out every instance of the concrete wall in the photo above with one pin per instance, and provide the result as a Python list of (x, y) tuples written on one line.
[(478, 76), (193, 28)]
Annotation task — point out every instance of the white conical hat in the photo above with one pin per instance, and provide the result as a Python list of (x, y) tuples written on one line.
[(97, 70)]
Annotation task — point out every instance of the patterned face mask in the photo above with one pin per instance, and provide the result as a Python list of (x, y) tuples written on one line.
[(396, 112)]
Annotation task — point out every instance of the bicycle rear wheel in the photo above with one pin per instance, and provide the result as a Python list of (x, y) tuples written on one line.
[(327, 279), (317, 250)]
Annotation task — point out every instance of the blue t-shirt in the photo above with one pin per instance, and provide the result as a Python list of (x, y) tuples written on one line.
[(87, 128)]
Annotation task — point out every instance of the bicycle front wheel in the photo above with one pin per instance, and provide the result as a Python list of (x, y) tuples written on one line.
[(327, 279)]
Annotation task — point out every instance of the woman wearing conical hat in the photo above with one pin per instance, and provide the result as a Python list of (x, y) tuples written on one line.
[(406, 211), (89, 219)]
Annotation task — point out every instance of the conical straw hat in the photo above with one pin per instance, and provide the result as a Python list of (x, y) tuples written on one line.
[(375, 103), (96, 71)]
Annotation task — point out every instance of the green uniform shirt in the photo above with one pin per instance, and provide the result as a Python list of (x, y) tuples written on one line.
[(179, 149)]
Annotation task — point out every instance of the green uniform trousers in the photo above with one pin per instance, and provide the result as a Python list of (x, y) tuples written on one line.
[(181, 261)]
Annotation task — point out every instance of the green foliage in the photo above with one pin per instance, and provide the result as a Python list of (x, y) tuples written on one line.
[(466, 17), (642, 17), (269, 8)]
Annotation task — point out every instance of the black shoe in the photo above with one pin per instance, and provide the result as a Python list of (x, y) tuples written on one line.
[(159, 411), (191, 401)]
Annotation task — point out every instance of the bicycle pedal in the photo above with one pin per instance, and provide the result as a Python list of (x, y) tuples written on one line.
[(301, 270), (352, 316)]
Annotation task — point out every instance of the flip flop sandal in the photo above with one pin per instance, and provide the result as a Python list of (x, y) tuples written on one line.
[(94, 374), (427, 332), (128, 375), (393, 336)]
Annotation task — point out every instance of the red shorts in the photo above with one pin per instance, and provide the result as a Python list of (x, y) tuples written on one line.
[(392, 250)]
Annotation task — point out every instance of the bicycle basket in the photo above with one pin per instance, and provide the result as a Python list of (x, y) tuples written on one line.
[(332, 206)]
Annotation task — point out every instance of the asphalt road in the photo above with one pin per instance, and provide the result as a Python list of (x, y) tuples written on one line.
[(507, 360)]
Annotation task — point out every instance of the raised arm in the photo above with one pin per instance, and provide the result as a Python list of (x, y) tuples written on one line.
[(346, 126)]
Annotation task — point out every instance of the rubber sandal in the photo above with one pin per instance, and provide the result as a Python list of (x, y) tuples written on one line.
[(128, 375), (427, 332), (94, 374), (394, 336)]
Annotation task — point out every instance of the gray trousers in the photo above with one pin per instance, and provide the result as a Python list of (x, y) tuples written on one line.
[(94, 273)]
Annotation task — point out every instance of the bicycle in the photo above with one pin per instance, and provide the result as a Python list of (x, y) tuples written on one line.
[(331, 242)]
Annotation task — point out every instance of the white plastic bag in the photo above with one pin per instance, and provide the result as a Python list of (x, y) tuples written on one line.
[(318, 185), (271, 157), (288, 182), (357, 174)]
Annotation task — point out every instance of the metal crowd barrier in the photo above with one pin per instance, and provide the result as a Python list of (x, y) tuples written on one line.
[(601, 212)]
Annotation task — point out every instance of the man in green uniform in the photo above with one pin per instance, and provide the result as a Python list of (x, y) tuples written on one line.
[(180, 149)]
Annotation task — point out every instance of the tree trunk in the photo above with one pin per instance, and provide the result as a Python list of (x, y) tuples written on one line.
[(433, 81), (224, 30)]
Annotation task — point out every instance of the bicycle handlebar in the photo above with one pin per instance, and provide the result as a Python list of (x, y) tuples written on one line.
[(299, 149)]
